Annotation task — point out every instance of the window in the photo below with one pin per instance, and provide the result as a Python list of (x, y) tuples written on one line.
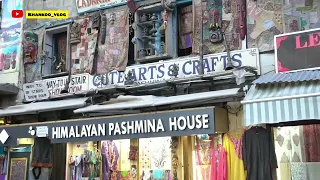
[(154, 34), (185, 26), (57, 50)]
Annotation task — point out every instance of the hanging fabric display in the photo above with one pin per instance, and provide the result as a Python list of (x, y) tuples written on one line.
[(204, 150), (85, 165), (264, 21), (84, 47), (185, 27), (312, 142), (33, 71), (258, 154), (155, 158), (113, 54), (216, 12), (3, 160), (219, 163), (115, 158), (232, 142)]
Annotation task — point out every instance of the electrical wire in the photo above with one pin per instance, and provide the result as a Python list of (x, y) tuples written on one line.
[(228, 108)]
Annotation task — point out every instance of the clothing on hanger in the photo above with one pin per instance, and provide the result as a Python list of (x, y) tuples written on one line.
[(232, 142), (258, 153), (219, 163)]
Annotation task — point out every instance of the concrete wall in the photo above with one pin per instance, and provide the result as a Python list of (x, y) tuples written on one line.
[(235, 115)]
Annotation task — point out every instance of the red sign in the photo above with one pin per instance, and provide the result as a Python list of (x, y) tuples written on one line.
[(17, 13), (297, 51)]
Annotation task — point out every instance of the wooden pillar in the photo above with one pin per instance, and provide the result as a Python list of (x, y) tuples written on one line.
[(134, 143), (177, 158), (188, 148)]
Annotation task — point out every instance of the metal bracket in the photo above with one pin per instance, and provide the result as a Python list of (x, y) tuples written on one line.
[(181, 89)]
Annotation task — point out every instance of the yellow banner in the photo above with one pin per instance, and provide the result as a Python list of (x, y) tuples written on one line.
[(47, 14)]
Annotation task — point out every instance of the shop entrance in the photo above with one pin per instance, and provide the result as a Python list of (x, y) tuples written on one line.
[(19, 163)]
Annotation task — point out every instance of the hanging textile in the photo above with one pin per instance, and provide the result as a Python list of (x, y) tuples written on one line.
[(33, 71), (264, 21), (83, 53), (289, 142), (110, 166), (60, 154), (300, 15), (155, 158), (299, 171), (42, 153), (204, 151), (312, 142), (144, 154), (232, 142), (113, 54), (124, 149), (228, 14), (258, 154), (219, 163), (185, 27), (3, 157)]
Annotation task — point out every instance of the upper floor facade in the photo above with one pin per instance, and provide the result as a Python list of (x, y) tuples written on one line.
[(109, 43)]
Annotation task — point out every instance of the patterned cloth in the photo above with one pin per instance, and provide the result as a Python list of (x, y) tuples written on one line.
[(185, 27), (113, 55), (83, 52), (264, 21), (299, 171), (33, 71), (229, 25), (312, 142)]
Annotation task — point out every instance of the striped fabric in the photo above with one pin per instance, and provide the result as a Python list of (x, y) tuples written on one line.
[(274, 103)]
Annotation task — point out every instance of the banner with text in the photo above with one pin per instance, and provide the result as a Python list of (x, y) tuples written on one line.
[(154, 72), (297, 51), (92, 5), (157, 124), (35, 91), (187, 67)]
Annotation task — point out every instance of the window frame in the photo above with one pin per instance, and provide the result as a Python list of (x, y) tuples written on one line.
[(170, 43), (48, 36)]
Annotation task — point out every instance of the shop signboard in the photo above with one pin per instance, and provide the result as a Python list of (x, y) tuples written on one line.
[(158, 124), (297, 51), (155, 72), (35, 91), (187, 67), (78, 83), (92, 5), (42, 131)]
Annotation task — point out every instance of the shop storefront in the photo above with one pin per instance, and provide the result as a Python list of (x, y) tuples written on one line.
[(288, 104), (134, 146)]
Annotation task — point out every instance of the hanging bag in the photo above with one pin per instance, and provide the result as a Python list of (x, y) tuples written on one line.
[(41, 156)]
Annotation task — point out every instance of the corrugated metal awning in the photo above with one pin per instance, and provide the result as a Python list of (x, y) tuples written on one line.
[(33, 108), (282, 102), (289, 77)]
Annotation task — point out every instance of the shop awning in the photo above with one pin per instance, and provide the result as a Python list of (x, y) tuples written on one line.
[(282, 98), (134, 102), (36, 107)]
